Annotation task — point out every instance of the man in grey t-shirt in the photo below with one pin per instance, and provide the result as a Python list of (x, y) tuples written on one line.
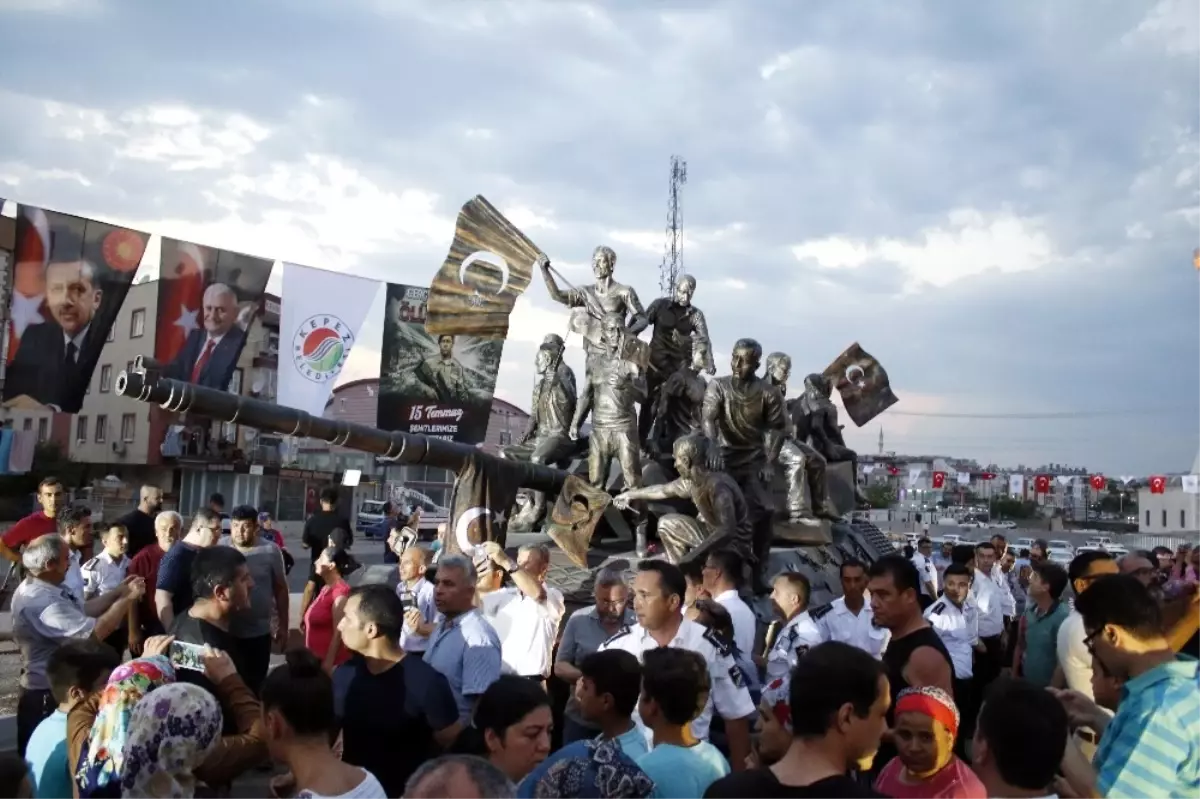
[(268, 599)]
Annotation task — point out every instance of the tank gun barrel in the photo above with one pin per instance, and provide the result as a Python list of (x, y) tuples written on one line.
[(145, 383)]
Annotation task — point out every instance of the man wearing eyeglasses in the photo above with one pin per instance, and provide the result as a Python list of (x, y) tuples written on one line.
[(1149, 747)]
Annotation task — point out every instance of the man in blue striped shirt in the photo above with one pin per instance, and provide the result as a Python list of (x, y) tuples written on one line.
[(1151, 747)]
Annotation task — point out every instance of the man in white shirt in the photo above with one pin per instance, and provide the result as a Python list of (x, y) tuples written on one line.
[(956, 620), (722, 572), (990, 601), (789, 598), (849, 618), (420, 609), (923, 560), (658, 591), (1074, 660), (1000, 578), (526, 616)]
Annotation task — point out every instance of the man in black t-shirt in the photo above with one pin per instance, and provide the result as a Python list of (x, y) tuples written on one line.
[(395, 710), (839, 703), (221, 584), (315, 539), (139, 522)]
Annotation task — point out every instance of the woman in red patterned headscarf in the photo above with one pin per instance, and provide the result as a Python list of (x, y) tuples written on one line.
[(926, 766)]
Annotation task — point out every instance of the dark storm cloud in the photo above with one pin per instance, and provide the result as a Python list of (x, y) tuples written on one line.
[(873, 125)]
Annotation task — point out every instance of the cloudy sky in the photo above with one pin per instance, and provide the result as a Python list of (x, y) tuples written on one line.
[(998, 201)]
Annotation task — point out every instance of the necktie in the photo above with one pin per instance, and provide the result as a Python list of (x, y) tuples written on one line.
[(202, 361), (72, 351)]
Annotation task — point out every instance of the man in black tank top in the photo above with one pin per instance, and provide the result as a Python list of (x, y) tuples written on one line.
[(915, 655)]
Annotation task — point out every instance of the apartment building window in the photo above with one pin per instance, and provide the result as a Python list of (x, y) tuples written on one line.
[(1164, 518), (27, 425), (1182, 519), (1147, 518), (43, 430), (105, 378), (128, 423), (101, 428), (112, 333), (137, 323), (273, 342), (80, 429)]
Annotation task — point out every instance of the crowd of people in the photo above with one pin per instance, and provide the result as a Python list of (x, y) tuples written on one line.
[(147, 671)]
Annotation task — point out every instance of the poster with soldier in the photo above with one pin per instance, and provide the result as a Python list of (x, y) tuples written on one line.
[(438, 386), (207, 299), (70, 276)]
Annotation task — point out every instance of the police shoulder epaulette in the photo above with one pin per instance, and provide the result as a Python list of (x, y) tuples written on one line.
[(621, 633), (821, 611), (939, 607), (718, 643), (91, 564)]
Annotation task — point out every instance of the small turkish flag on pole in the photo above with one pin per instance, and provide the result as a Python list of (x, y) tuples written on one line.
[(1098, 482), (939, 479), (1158, 484), (1041, 484)]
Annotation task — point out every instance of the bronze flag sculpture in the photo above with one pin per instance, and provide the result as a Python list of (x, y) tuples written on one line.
[(489, 265)]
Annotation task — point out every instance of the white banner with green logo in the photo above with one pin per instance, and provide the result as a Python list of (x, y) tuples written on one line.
[(322, 314)]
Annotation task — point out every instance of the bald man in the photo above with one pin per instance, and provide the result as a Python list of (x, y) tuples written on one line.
[(208, 356), (416, 592), (140, 521)]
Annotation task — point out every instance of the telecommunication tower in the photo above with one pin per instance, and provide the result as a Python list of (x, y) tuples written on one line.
[(672, 262)]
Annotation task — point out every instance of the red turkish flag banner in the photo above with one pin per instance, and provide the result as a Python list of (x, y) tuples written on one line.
[(988, 476), (892, 469), (1099, 482), (1158, 484), (939, 479), (1041, 484)]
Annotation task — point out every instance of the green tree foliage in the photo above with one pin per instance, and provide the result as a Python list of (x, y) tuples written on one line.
[(881, 496), (1009, 508)]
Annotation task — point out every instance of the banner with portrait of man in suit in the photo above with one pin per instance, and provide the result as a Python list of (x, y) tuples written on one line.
[(207, 299), (70, 276)]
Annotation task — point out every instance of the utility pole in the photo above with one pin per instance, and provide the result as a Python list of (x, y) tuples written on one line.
[(672, 262)]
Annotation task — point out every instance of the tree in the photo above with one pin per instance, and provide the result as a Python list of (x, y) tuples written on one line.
[(1009, 508), (880, 495)]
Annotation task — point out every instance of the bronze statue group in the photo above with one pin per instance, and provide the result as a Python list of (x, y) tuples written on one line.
[(709, 449)]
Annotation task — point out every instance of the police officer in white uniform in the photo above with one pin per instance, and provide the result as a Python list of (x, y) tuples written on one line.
[(989, 598), (789, 597), (849, 618), (658, 591), (955, 618), (923, 560)]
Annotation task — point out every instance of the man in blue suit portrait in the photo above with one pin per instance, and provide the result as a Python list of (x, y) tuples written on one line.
[(209, 355)]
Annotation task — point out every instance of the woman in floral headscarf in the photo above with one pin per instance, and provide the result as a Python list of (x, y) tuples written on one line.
[(925, 728), (171, 732), (98, 771)]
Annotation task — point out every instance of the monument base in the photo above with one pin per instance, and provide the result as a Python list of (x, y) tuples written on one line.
[(803, 534)]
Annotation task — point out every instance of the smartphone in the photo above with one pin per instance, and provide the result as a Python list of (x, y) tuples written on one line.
[(187, 656)]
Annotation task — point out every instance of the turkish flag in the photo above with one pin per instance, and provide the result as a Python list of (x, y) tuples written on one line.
[(939, 479), (1041, 484), (892, 470), (181, 293), (1099, 482), (988, 476), (1158, 484)]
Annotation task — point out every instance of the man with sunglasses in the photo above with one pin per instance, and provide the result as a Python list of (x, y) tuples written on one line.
[(1149, 747)]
